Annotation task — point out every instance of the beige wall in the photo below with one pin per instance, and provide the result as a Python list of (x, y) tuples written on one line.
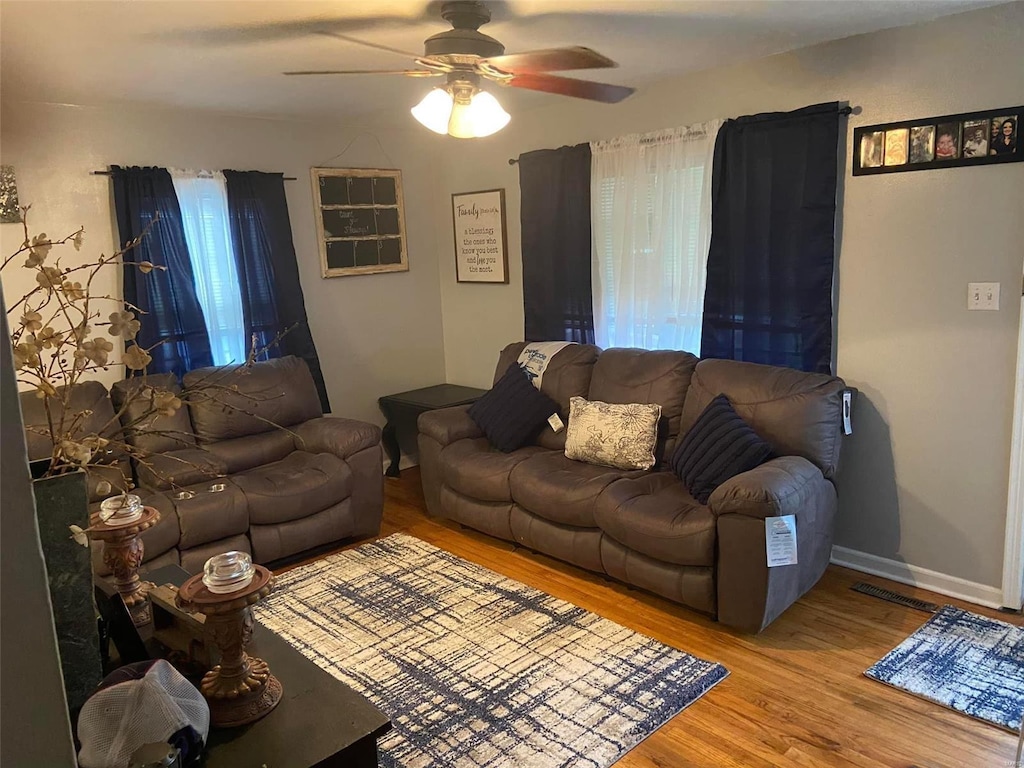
[(924, 479), (375, 333)]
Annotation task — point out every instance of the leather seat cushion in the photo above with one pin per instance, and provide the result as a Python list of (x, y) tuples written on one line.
[(180, 468), (562, 490), (299, 485), (243, 453), (656, 516), (475, 469)]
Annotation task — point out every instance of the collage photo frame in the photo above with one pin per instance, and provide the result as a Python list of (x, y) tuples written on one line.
[(989, 137)]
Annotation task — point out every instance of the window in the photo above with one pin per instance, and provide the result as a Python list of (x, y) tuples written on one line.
[(652, 228), (203, 200)]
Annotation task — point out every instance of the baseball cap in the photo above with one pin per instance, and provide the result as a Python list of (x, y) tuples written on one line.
[(138, 704)]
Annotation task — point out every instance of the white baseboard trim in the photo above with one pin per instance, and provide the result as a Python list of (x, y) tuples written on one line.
[(915, 576)]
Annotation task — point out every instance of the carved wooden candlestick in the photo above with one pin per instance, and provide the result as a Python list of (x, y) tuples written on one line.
[(122, 554), (240, 689)]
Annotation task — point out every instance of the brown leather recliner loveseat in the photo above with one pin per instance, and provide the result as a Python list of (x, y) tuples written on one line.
[(288, 479), (644, 527)]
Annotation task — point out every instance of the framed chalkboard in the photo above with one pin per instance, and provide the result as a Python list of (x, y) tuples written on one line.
[(360, 221)]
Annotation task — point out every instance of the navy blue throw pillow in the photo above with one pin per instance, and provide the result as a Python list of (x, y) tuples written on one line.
[(513, 411), (719, 445)]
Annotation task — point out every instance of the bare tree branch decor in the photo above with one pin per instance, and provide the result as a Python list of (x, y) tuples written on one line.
[(62, 332)]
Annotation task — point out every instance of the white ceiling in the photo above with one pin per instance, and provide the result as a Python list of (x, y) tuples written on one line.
[(228, 55)]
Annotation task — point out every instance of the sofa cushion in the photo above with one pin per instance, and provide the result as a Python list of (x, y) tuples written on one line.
[(719, 446), (613, 434), (133, 399), (249, 400), (646, 376), (85, 396), (178, 468), (561, 490), (242, 453), (474, 469), (513, 411), (299, 485), (655, 515), (797, 413)]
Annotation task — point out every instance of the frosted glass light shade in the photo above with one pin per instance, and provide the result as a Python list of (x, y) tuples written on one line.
[(480, 116), (435, 110), (488, 116)]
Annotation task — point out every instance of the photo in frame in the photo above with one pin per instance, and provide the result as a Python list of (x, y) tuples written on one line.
[(987, 137), (481, 242)]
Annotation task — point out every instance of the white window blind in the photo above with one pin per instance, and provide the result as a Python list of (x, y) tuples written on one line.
[(651, 219), (203, 200)]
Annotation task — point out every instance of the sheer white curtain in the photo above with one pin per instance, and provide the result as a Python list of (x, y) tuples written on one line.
[(651, 220), (203, 200)]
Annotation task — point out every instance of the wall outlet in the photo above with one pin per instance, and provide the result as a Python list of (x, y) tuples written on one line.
[(983, 295)]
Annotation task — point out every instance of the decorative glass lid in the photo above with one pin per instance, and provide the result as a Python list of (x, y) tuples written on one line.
[(228, 572)]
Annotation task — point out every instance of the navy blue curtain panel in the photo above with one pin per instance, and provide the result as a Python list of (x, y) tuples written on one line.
[(268, 273), (770, 265), (558, 301), (173, 318)]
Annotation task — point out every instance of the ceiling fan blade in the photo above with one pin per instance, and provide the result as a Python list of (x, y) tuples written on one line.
[(570, 86), (366, 43), (407, 72), (550, 60)]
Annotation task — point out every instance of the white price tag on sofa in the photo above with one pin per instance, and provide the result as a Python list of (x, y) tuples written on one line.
[(556, 423), (780, 540)]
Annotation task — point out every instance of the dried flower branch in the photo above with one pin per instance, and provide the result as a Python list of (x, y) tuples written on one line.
[(56, 339)]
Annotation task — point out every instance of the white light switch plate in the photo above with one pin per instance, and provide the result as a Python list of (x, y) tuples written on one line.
[(983, 295)]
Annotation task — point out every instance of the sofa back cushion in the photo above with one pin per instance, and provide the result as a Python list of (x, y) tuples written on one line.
[(157, 434), (797, 413), (85, 396), (567, 376), (646, 376), (248, 401)]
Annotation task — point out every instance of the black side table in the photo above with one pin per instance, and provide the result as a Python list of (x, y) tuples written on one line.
[(403, 409)]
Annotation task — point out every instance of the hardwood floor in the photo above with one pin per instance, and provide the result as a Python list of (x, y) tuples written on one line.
[(795, 695)]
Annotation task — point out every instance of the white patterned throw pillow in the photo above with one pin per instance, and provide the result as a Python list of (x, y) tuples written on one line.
[(612, 434)]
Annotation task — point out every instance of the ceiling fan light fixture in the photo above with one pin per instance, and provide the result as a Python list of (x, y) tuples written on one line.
[(461, 110), (435, 110)]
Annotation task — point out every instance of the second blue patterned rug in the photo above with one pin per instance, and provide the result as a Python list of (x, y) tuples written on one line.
[(964, 661), (475, 669)]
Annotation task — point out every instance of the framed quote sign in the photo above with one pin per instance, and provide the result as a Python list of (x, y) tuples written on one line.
[(481, 254), (360, 221)]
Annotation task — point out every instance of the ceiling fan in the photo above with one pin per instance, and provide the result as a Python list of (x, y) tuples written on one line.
[(466, 57)]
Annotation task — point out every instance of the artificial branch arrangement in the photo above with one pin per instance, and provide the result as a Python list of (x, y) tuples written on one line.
[(61, 334)]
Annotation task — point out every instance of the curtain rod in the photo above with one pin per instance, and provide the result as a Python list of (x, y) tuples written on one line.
[(107, 173), (842, 111)]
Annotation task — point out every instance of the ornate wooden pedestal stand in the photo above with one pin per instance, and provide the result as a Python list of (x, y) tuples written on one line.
[(240, 689), (122, 554)]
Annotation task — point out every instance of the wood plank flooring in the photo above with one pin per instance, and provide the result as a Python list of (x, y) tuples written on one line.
[(795, 695)]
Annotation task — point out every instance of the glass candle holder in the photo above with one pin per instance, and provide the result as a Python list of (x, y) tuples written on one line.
[(228, 572), (121, 509)]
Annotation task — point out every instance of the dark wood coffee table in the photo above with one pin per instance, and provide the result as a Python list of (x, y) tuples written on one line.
[(319, 722), (403, 409)]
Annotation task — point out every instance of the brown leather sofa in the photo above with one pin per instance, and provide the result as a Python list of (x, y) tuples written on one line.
[(643, 527), (292, 478)]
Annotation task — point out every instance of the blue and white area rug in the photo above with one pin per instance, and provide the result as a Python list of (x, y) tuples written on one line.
[(475, 669), (966, 662)]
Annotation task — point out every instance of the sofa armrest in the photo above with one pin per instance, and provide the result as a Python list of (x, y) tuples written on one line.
[(446, 425), (750, 594), (331, 434), (777, 487)]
